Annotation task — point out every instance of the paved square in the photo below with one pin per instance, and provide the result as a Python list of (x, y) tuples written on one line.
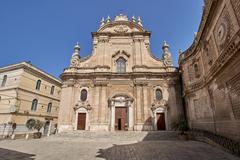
[(110, 146)]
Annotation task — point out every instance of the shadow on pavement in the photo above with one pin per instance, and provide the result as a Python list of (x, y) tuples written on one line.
[(142, 150), (6, 154), (159, 145)]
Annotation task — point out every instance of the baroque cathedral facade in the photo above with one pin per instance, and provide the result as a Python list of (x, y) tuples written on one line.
[(120, 85)]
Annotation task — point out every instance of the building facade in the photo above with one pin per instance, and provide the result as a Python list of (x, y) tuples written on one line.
[(120, 85), (27, 92), (211, 71)]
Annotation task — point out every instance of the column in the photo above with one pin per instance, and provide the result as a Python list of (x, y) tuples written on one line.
[(103, 104), (145, 103), (112, 116), (131, 116), (99, 93), (138, 104)]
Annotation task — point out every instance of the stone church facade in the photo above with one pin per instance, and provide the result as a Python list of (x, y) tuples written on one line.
[(120, 85), (211, 71)]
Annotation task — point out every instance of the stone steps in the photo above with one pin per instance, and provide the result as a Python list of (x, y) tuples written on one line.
[(118, 135)]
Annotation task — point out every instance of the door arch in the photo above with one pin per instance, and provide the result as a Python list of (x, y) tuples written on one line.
[(81, 119), (121, 109), (160, 118)]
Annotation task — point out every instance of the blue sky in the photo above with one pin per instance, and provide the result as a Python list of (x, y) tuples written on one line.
[(44, 32)]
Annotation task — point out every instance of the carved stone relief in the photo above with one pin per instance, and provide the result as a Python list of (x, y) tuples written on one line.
[(121, 29), (236, 8), (223, 30), (234, 93)]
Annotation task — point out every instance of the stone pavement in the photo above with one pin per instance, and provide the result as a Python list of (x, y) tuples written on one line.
[(110, 146)]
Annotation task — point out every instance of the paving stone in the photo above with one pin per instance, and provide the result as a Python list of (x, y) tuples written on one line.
[(111, 146)]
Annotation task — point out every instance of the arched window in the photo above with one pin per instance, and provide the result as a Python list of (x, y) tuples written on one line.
[(4, 81), (83, 95), (121, 65), (196, 70), (38, 85), (52, 90), (34, 105), (158, 94), (49, 108)]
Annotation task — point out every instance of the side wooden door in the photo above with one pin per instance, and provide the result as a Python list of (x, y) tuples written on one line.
[(81, 121), (161, 121)]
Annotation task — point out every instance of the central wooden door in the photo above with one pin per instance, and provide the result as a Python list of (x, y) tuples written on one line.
[(161, 121), (81, 121), (121, 122)]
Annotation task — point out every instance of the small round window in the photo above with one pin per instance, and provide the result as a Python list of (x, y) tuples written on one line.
[(83, 96)]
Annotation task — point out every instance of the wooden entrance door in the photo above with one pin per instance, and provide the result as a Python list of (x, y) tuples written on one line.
[(81, 121), (121, 122), (161, 121)]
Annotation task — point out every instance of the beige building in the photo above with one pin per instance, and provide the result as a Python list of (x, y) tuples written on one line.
[(120, 85), (211, 71), (27, 92)]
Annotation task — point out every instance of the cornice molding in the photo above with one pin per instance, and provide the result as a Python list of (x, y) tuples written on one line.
[(209, 11), (225, 57)]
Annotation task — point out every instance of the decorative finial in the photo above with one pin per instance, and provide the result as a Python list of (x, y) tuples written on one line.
[(165, 45), (195, 36), (108, 19), (180, 51), (167, 58), (102, 21), (76, 50), (133, 19), (75, 56), (140, 21)]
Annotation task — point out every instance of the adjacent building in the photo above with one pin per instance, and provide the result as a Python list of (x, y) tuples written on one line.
[(120, 85), (27, 92), (211, 71)]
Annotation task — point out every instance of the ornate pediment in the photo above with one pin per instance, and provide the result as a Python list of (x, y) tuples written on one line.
[(156, 104), (121, 29), (84, 105), (121, 52), (121, 24)]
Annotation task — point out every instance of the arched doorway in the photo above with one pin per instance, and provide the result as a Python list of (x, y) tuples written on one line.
[(160, 116), (121, 109), (46, 127), (82, 118)]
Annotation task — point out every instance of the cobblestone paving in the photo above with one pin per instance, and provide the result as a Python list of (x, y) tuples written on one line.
[(111, 146)]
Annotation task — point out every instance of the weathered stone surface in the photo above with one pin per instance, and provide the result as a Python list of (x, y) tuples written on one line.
[(212, 98), (111, 146)]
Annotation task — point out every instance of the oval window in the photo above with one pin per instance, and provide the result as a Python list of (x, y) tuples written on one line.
[(83, 96), (158, 94)]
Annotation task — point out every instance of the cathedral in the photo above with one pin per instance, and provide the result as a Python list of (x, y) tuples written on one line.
[(121, 85)]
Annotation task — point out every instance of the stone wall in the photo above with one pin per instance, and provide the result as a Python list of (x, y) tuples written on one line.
[(213, 97)]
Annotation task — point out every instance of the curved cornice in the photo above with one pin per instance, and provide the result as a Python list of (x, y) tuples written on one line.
[(208, 11)]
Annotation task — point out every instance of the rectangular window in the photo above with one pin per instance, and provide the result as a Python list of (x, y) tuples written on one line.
[(4, 81), (52, 90)]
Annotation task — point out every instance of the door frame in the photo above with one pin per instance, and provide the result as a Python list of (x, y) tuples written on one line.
[(82, 110), (121, 100), (127, 118), (157, 114), (161, 110)]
